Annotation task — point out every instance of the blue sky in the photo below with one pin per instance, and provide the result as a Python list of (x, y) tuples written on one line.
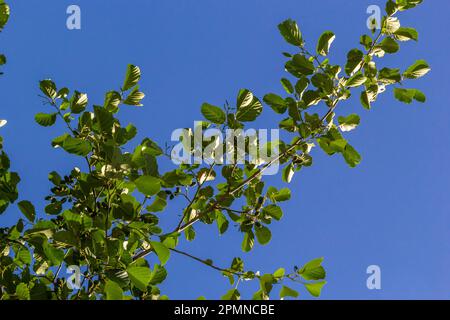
[(392, 210)]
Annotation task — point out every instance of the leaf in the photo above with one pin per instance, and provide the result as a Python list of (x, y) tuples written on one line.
[(132, 77), (354, 61), (113, 291), (27, 209), (349, 123), (159, 274), (161, 251), (351, 156), (104, 119), (213, 113), (288, 173), (48, 88), (407, 4), (232, 294), (248, 242), (290, 32), (287, 85), (277, 103), (76, 146), (417, 70), (324, 43), (408, 95), (45, 120), (287, 292), (301, 85), (78, 102), (300, 66), (53, 208), (356, 80), (390, 25), (55, 256), (134, 98), (4, 14), (389, 76), (405, 34), (313, 270), (22, 291), (263, 234), (148, 185), (24, 256), (273, 211), (389, 45), (140, 277), (248, 106), (112, 101), (315, 289), (279, 196), (222, 222)]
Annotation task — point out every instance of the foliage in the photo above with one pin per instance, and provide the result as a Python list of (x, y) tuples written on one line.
[(105, 217)]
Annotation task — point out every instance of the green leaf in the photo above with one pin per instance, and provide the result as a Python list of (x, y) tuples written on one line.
[(351, 156), (213, 113), (389, 45), (287, 85), (324, 43), (45, 120), (161, 251), (134, 98), (349, 123), (54, 255), (53, 208), (405, 34), (4, 14), (27, 209), (78, 102), (288, 173), (48, 88), (279, 196), (417, 70), (407, 4), (132, 77), (112, 101), (76, 146), (291, 33), (300, 66), (24, 255), (248, 242), (104, 119), (140, 277), (277, 103), (313, 270), (273, 211), (408, 95), (113, 291), (301, 85), (315, 289), (222, 222), (354, 61), (390, 25), (232, 294), (148, 185), (263, 234), (356, 80), (389, 76), (288, 292), (248, 106), (22, 291)]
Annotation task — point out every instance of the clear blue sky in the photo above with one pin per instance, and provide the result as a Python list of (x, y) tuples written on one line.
[(393, 210)]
